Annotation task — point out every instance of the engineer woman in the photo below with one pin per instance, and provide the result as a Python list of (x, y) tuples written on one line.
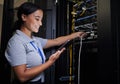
[(24, 51)]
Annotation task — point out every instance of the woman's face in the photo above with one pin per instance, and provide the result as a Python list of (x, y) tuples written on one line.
[(33, 21)]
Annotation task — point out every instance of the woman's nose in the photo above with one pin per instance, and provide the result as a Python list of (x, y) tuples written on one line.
[(40, 23)]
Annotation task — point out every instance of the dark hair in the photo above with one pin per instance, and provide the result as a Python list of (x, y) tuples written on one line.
[(25, 8)]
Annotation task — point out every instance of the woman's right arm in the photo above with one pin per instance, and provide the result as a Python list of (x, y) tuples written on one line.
[(25, 74)]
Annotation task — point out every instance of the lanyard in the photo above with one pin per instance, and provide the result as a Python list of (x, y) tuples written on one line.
[(38, 49)]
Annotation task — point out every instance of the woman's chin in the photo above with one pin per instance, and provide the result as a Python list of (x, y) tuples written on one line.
[(35, 31)]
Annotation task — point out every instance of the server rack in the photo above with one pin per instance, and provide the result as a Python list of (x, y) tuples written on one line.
[(7, 21), (108, 56), (100, 50)]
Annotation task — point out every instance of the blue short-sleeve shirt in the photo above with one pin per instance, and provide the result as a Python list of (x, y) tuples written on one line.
[(20, 51)]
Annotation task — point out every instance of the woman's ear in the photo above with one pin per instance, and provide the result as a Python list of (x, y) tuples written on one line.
[(23, 17)]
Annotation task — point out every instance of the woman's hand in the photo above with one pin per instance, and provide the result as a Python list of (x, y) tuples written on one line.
[(78, 34), (55, 56)]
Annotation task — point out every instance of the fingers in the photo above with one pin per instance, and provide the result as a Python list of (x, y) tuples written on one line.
[(56, 55), (81, 34), (62, 50), (84, 35)]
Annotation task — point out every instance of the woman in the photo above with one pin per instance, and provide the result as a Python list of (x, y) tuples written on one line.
[(24, 51)]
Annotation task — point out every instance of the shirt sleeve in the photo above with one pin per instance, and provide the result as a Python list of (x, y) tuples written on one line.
[(42, 41), (15, 53)]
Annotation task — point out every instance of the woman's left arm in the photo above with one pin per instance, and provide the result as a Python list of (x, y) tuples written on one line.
[(60, 40)]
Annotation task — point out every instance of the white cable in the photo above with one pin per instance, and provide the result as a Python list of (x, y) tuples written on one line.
[(79, 60)]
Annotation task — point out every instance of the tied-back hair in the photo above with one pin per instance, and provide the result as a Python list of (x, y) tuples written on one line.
[(26, 9)]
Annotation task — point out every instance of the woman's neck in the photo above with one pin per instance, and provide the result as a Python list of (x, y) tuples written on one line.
[(26, 31)]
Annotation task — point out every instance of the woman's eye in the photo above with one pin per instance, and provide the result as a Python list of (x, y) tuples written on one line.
[(37, 19)]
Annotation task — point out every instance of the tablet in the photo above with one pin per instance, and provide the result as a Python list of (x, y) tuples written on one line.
[(63, 45)]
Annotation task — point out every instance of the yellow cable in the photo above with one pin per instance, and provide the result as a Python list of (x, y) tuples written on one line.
[(70, 73), (71, 51), (82, 12), (71, 46)]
